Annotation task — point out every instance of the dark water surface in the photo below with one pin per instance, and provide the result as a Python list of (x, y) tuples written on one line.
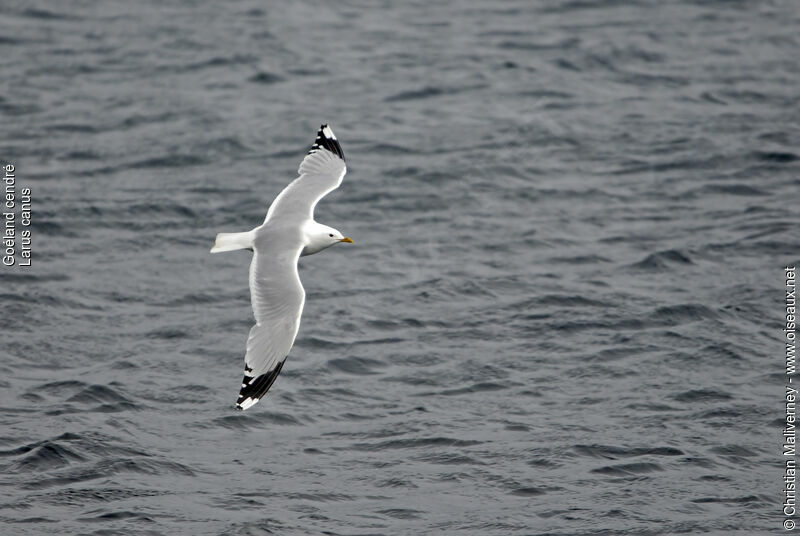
[(561, 314)]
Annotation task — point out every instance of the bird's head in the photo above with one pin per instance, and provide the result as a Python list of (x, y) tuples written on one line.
[(333, 236), (321, 237)]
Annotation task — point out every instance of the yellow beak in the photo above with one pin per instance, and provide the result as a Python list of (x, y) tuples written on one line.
[(348, 240)]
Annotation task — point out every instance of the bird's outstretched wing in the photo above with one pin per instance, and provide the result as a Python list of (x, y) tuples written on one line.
[(321, 171), (277, 297)]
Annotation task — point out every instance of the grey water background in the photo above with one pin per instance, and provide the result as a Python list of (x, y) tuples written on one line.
[(561, 315)]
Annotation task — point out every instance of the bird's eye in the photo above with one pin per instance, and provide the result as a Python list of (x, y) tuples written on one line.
[(330, 235)]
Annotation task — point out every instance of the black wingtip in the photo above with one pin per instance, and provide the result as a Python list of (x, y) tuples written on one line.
[(326, 139), (254, 389)]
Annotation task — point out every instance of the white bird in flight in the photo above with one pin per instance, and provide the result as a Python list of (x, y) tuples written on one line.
[(288, 232)]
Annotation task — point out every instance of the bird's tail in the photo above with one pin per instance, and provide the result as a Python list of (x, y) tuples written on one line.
[(233, 241)]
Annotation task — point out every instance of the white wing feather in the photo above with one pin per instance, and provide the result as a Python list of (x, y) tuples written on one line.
[(277, 297), (321, 172)]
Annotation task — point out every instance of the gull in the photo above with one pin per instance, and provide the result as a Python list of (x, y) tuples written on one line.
[(288, 233)]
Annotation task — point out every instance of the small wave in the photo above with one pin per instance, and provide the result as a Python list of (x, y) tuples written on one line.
[(702, 395), (324, 396), (106, 468), (356, 365), (177, 394), (613, 452), (58, 388), (724, 350), (403, 172), (680, 314), (68, 393), (543, 463), (710, 96), (320, 497), (644, 79), (265, 78), (45, 14), (402, 513), (163, 208), (317, 71), (430, 91), (570, 6), (517, 427), (214, 62), (79, 128), (710, 162), (396, 483), (18, 108), (262, 527), (565, 301), (733, 189), (612, 354), (713, 478), (627, 323), (168, 161), (737, 451), (318, 342), (417, 380), (662, 260), (476, 388), (563, 44), (776, 157), (115, 407), (47, 456), (97, 393), (167, 333), (720, 413), (34, 520), (116, 516), (400, 324), (777, 248), (744, 96), (731, 500), (416, 443), (528, 492), (449, 458), (629, 469), (136, 119), (82, 155), (22, 277), (547, 94), (580, 259), (230, 146), (82, 496), (472, 288), (69, 454), (48, 300), (195, 298), (567, 65), (8, 40), (240, 421), (384, 340), (388, 149), (52, 228), (415, 94)]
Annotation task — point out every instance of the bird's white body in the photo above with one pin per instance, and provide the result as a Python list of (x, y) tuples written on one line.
[(288, 232), (315, 237)]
